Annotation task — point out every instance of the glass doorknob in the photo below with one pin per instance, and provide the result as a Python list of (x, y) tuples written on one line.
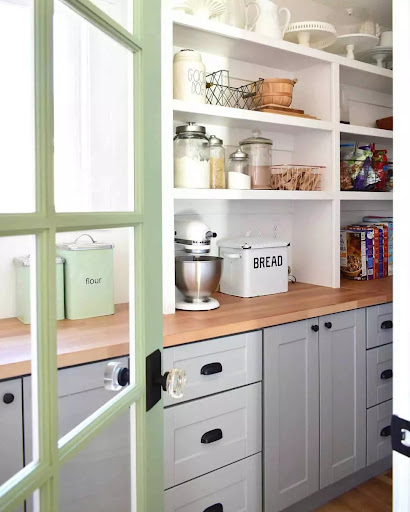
[(116, 376), (173, 382)]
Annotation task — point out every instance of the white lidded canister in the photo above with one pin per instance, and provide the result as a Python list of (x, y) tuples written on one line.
[(254, 266), (189, 77)]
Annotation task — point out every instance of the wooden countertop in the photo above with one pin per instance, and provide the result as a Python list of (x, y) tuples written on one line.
[(94, 339)]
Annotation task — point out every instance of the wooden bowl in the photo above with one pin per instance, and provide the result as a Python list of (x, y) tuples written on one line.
[(276, 90)]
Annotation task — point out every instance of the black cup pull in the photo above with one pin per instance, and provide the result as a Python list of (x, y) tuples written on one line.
[(211, 368), (328, 325), (215, 508), (386, 431), (387, 324), (212, 436), (315, 328), (386, 374), (8, 398)]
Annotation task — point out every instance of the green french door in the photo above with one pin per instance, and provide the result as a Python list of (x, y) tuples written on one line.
[(92, 80)]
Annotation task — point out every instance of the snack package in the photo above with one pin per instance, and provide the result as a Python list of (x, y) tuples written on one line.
[(353, 264), (381, 168), (356, 171)]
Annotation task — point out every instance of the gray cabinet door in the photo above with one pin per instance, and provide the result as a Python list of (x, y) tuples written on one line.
[(11, 430), (98, 477), (291, 414), (342, 354)]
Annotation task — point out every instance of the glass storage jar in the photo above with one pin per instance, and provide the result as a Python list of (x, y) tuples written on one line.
[(259, 150), (191, 157), (238, 171), (217, 163)]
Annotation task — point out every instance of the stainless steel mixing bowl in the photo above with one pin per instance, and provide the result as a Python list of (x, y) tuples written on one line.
[(197, 277)]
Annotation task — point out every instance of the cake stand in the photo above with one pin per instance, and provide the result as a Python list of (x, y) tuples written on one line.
[(349, 43), (378, 54), (315, 34)]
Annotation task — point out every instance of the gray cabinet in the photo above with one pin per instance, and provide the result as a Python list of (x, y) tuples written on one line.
[(11, 430), (291, 413), (342, 355), (98, 477)]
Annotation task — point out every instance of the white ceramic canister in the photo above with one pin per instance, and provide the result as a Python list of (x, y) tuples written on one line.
[(189, 77)]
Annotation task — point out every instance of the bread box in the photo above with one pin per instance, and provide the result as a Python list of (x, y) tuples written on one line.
[(254, 266)]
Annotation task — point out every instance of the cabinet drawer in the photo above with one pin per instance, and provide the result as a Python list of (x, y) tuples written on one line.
[(236, 488), (206, 434), (378, 433), (379, 325), (216, 365), (379, 375)]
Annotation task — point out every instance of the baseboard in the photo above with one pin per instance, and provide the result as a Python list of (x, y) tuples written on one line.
[(333, 491)]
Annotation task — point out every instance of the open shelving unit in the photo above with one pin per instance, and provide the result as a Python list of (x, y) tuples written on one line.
[(311, 221)]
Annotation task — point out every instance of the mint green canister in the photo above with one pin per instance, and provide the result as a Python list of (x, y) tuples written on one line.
[(89, 277), (22, 266)]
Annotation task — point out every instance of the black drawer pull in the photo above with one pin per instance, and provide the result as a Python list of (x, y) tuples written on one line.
[(387, 324), (386, 374), (8, 398), (211, 368), (315, 328), (386, 431), (215, 508), (328, 325), (212, 436)]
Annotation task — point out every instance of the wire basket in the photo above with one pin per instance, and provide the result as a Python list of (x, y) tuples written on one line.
[(219, 92), (296, 177)]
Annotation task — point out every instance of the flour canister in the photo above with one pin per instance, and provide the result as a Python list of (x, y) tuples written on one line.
[(254, 266), (189, 77), (23, 266), (89, 277)]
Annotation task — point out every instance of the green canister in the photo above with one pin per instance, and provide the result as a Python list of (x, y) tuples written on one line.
[(89, 278), (22, 266)]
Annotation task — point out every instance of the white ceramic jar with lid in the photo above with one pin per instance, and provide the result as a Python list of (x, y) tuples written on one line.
[(259, 150), (238, 171), (191, 157), (189, 77)]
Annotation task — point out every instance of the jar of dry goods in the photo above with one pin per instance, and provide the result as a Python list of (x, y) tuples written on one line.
[(217, 161), (191, 157), (259, 150), (238, 171)]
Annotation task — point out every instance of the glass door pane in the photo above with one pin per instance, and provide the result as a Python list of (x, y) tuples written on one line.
[(93, 119), (17, 160), (119, 10)]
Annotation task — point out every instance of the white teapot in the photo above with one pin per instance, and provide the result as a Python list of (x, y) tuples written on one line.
[(237, 14), (268, 22)]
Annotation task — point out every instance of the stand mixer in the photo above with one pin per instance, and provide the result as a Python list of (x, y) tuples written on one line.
[(197, 275)]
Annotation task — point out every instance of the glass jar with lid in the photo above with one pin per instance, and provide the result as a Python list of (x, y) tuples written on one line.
[(191, 157), (259, 150), (217, 167), (238, 171)]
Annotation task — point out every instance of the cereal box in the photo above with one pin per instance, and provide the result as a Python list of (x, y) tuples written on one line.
[(353, 258), (370, 250)]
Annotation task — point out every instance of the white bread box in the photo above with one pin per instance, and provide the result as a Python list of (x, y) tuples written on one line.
[(254, 266)]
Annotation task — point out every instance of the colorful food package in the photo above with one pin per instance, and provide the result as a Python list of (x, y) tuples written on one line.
[(379, 254), (381, 168), (386, 222), (353, 254), (370, 251)]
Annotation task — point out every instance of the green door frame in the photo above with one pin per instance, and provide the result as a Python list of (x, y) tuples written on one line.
[(146, 428)]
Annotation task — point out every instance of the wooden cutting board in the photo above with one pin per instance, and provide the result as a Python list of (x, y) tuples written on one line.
[(287, 111)]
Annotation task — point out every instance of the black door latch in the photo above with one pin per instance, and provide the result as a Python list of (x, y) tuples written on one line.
[(400, 435)]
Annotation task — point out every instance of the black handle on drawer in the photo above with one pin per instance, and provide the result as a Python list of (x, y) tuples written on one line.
[(328, 325), (315, 328), (386, 374), (212, 436), (386, 431), (211, 368), (8, 398), (387, 324), (215, 508)]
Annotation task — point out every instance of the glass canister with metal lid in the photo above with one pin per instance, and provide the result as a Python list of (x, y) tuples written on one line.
[(259, 150), (238, 171), (191, 157), (89, 277)]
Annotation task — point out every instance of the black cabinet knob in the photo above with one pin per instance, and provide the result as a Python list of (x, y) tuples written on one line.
[(215, 508), (211, 368), (386, 374), (8, 398), (212, 436), (386, 431), (328, 325), (387, 324), (124, 377), (315, 328)]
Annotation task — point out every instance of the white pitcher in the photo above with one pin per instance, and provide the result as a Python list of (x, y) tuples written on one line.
[(237, 14), (268, 22)]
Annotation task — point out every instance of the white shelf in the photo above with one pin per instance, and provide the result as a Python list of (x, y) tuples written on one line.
[(227, 194), (365, 196), (214, 37), (366, 132), (240, 118)]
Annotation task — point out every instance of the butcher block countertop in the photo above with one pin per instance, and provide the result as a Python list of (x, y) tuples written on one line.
[(94, 339)]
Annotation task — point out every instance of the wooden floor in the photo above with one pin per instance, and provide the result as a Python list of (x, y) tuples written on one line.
[(372, 496)]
